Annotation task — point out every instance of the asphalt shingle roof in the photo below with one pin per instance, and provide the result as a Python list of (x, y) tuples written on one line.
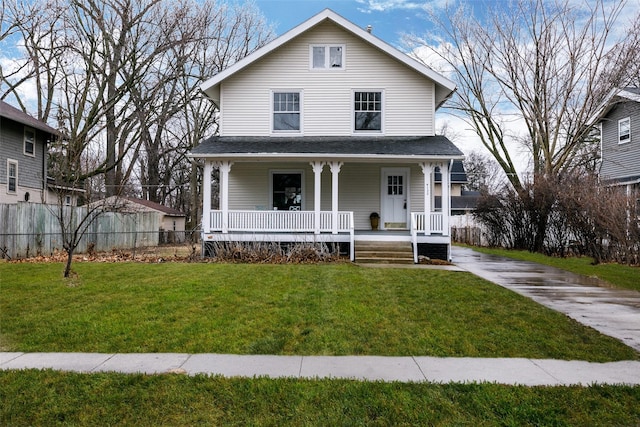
[(423, 146), (10, 112)]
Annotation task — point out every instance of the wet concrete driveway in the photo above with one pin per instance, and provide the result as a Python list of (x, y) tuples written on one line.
[(614, 312)]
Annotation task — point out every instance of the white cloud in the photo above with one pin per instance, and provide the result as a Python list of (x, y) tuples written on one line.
[(390, 5)]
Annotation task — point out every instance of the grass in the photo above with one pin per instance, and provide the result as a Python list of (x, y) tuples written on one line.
[(56, 398), (622, 276), (333, 309)]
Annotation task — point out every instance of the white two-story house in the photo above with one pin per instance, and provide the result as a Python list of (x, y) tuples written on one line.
[(320, 129)]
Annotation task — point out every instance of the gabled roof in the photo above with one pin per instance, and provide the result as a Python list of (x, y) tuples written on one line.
[(626, 93), (444, 86), (12, 113), (330, 147), (155, 206)]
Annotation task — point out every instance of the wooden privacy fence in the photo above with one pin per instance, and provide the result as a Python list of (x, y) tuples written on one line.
[(467, 235), (28, 229)]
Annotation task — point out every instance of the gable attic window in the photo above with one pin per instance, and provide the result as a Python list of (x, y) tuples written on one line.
[(286, 112), (29, 142), (325, 57), (624, 130), (367, 111)]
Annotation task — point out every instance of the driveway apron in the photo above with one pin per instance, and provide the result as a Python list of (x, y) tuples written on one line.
[(590, 301)]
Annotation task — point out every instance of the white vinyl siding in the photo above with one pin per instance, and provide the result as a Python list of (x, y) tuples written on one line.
[(359, 187), (328, 97)]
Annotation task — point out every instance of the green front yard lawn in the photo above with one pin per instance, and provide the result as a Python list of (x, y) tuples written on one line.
[(332, 309), (56, 398)]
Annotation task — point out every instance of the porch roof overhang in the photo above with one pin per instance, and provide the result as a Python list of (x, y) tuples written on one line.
[(352, 148)]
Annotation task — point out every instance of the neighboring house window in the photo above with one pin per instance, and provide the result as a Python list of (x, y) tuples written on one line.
[(12, 176), (29, 142), (67, 200), (624, 130), (327, 57), (286, 112), (286, 190), (367, 111)]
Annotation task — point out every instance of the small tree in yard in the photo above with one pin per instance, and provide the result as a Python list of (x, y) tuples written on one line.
[(74, 221)]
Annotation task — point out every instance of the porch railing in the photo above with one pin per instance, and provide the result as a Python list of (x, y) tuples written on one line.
[(418, 226), (418, 221), (280, 221)]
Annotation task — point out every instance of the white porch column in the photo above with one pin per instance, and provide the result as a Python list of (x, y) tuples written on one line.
[(427, 170), (224, 167), (317, 175), (206, 196), (446, 196), (335, 171)]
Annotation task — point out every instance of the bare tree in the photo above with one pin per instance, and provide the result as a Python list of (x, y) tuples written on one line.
[(483, 173), (545, 64)]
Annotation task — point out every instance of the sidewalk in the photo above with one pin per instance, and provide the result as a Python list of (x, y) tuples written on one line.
[(611, 311), (529, 372)]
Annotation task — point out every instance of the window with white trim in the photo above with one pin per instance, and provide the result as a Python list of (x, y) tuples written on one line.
[(286, 190), (29, 141), (286, 112), (624, 130), (12, 176), (328, 57), (367, 111)]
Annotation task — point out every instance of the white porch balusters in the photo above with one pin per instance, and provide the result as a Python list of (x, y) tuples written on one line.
[(317, 175), (427, 170), (206, 197), (335, 171), (446, 196), (224, 167)]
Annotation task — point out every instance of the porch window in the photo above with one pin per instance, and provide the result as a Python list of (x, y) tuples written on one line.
[(367, 111), (286, 111), (29, 142), (624, 130), (12, 176), (286, 191), (327, 57)]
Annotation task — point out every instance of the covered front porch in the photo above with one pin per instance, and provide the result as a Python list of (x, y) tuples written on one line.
[(325, 190), (272, 224)]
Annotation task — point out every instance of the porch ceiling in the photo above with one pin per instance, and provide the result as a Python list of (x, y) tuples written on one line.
[(361, 148)]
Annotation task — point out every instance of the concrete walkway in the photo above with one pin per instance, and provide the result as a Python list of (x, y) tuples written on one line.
[(613, 312), (529, 372)]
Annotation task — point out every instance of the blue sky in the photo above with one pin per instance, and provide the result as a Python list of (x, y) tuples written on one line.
[(389, 18)]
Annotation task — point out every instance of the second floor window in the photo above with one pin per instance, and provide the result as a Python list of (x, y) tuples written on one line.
[(624, 130), (286, 111), (12, 176), (327, 57), (367, 111), (29, 142)]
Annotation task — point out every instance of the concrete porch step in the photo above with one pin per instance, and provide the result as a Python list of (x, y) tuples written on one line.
[(384, 252)]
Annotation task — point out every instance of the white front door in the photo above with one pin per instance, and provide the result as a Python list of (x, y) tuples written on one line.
[(395, 198)]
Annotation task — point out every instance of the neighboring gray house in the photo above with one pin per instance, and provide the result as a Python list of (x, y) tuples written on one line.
[(619, 120), (319, 129), (23, 156)]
